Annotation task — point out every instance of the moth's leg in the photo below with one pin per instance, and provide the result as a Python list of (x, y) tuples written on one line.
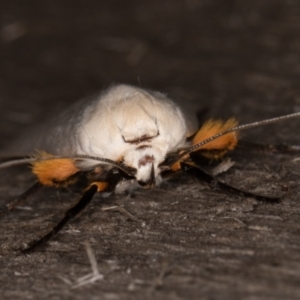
[(269, 148), (214, 183), (20, 199), (69, 214)]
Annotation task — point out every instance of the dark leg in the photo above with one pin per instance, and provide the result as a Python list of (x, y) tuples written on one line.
[(268, 148), (199, 173), (21, 199), (70, 214)]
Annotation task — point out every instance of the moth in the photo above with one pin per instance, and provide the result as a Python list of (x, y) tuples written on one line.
[(126, 137)]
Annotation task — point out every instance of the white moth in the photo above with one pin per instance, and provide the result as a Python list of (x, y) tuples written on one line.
[(126, 135), (125, 123)]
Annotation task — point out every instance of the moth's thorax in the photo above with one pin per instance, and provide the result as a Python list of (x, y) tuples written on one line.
[(132, 124)]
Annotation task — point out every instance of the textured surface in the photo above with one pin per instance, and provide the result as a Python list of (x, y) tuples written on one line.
[(191, 242)]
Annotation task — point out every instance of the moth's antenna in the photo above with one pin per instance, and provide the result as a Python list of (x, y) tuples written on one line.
[(129, 171), (15, 162), (240, 127)]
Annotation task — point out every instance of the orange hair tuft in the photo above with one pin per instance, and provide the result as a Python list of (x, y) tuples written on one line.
[(101, 185), (221, 144), (54, 172)]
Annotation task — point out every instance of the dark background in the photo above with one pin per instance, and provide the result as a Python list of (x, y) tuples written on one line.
[(236, 58)]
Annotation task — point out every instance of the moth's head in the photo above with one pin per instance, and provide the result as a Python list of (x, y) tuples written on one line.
[(146, 160)]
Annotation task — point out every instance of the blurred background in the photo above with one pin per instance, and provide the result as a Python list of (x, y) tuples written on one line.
[(234, 57)]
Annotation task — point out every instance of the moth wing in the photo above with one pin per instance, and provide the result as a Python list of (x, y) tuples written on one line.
[(189, 109), (57, 134)]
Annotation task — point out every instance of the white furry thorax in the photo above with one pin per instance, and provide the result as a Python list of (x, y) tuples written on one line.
[(132, 125)]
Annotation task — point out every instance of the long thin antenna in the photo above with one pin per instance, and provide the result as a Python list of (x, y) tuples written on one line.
[(129, 171), (240, 127), (15, 162)]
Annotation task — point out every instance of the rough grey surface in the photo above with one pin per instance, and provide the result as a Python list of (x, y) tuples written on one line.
[(234, 58)]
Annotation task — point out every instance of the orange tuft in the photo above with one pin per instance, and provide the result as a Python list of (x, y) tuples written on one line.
[(176, 166), (54, 172), (221, 144), (101, 185)]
